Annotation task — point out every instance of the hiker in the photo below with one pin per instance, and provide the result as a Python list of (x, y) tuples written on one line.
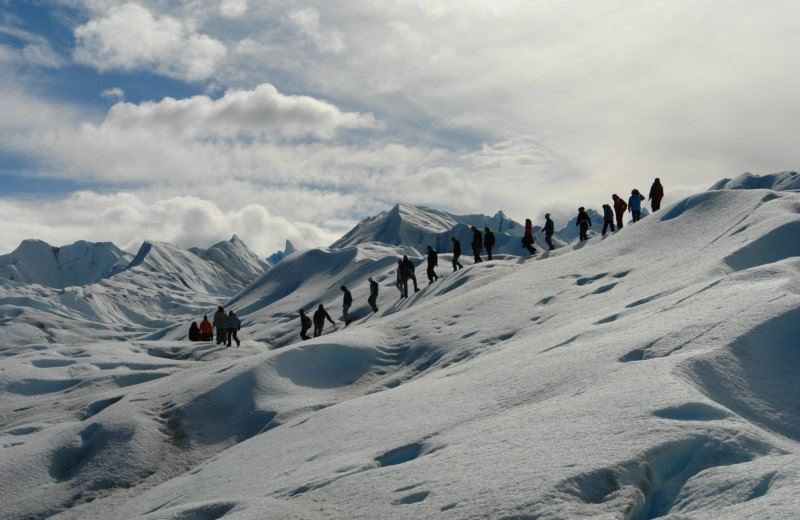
[(234, 324), (635, 205), (220, 323), (319, 320), (584, 222), (488, 241), (527, 238), (347, 301), (656, 194), (608, 219), (194, 332), (433, 262), (477, 244), (619, 208), (549, 229), (305, 324), (407, 267), (399, 282), (206, 330), (373, 295), (456, 254)]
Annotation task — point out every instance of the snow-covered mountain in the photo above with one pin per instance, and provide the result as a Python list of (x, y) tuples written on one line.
[(277, 256), (786, 180), (234, 257), (80, 263), (648, 374)]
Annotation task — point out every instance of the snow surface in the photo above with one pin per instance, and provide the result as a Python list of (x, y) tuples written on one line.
[(651, 373), (786, 180)]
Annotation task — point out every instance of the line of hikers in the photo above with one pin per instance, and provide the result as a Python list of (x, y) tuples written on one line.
[(613, 218), (226, 325)]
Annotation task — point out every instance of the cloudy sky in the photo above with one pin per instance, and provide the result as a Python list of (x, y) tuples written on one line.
[(190, 120)]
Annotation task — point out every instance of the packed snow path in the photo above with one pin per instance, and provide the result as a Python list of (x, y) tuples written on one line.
[(649, 374)]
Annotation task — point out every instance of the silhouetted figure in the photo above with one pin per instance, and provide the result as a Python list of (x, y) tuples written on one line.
[(656, 194), (619, 209), (456, 254), (527, 238), (635, 205), (319, 320), (407, 268), (347, 302), (194, 332), (608, 219), (234, 324), (549, 230), (399, 282), (206, 330), (584, 222), (221, 323), (433, 262), (477, 244), (488, 241), (305, 324), (373, 295)]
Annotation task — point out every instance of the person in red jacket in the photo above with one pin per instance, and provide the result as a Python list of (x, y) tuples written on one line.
[(656, 194), (620, 206), (206, 330), (527, 238)]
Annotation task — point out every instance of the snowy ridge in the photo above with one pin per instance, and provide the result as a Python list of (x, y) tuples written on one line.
[(80, 263), (606, 379), (786, 180)]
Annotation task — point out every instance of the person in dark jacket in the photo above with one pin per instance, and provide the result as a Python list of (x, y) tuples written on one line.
[(347, 302), (527, 238), (635, 205), (399, 282), (584, 222), (407, 268), (319, 320), (477, 244), (206, 330), (373, 295), (194, 332), (234, 324), (619, 209), (656, 194), (488, 241), (456, 254), (221, 323), (549, 230), (305, 324), (433, 262), (608, 219)]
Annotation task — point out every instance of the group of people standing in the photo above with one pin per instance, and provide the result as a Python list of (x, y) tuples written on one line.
[(226, 325), (634, 206)]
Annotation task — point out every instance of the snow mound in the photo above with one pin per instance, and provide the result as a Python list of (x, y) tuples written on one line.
[(780, 181), (277, 256), (80, 263)]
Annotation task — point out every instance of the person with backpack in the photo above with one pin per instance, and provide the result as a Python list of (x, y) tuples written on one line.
[(221, 323), (656, 194), (635, 205), (399, 282), (347, 302), (433, 262), (206, 330), (527, 238), (407, 267), (549, 230), (373, 295), (234, 324), (608, 219), (305, 324), (456, 254), (584, 222), (319, 320), (488, 241), (477, 244), (619, 209), (194, 332)]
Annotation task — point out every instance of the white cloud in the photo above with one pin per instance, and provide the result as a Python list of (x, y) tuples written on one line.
[(129, 37), (232, 8), (34, 50), (113, 94), (306, 21)]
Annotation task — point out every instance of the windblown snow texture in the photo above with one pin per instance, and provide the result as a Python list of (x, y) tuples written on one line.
[(650, 374)]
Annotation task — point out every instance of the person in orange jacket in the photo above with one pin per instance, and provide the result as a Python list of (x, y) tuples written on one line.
[(206, 330)]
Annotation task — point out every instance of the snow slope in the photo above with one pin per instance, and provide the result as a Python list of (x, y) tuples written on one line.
[(648, 374), (786, 180), (80, 263)]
